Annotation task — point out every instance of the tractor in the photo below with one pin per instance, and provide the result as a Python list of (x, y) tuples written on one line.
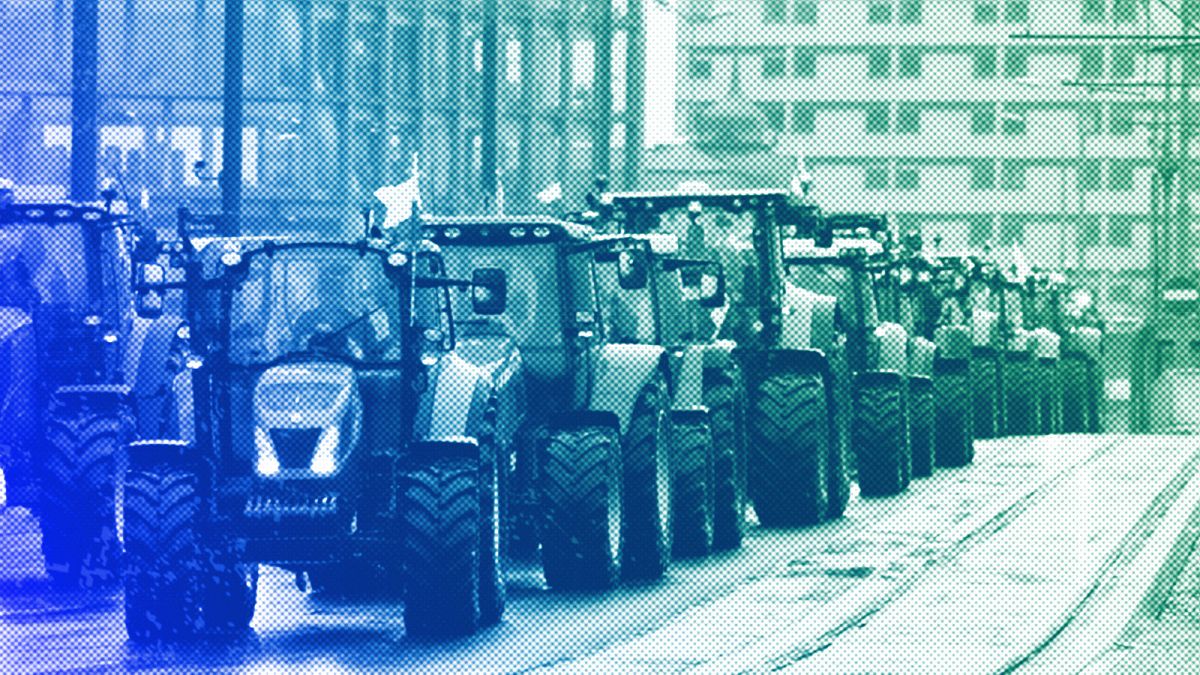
[(667, 300), (788, 350), (81, 376), (1082, 331), (590, 455), (333, 431)]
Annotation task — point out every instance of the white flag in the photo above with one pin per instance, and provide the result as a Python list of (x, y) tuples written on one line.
[(1023, 269), (551, 194), (399, 200), (801, 178)]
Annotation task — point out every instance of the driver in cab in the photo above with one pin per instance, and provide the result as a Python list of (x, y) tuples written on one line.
[(333, 325)]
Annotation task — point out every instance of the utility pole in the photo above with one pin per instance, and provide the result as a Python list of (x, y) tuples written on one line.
[(231, 145), (85, 63)]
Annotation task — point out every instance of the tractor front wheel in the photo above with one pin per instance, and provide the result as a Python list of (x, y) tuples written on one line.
[(789, 435), (880, 434)]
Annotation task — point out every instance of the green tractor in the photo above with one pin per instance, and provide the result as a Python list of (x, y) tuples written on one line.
[(333, 431), (788, 346), (81, 376), (1032, 386), (591, 481), (667, 300), (1082, 331)]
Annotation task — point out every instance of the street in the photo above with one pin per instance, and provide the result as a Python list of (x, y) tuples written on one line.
[(973, 570)]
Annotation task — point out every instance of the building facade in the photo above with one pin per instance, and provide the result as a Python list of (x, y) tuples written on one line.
[(933, 111)]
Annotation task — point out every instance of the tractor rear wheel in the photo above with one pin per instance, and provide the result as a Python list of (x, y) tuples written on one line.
[(1050, 396), (647, 464), (492, 540), (580, 496), (725, 396), (952, 396), (692, 466), (923, 439), (985, 396), (1076, 382), (880, 433), (1022, 405), (439, 507), (789, 437), (79, 489), (162, 560)]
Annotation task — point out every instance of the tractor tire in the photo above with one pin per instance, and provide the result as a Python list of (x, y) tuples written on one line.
[(522, 496), (881, 443), (839, 404), (440, 521), (985, 397), (1023, 402), (922, 432), (1050, 396), (952, 397), (580, 496), (492, 541), (789, 435), (692, 493), (1077, 406), (162, 554), (80, 492), (725, 397), (647, 494)]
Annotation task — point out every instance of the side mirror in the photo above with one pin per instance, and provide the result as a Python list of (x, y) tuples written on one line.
[(633, 269), (145, 245), (149, 276), (712, 288), (149, 304), (489, 291)]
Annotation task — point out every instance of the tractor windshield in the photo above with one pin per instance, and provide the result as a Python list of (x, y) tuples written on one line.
[(531, 316), (315, 299), (843, 283), (41, 264)]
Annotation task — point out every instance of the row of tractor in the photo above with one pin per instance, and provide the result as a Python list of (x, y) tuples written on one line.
[(404, 414)]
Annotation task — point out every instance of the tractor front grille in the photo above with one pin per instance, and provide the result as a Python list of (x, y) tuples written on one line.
[(295, 447)]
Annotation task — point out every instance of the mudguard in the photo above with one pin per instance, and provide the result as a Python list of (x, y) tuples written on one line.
[(145, 454), (808, 319), (1046, 344), (985, 328), (1020, 342), (464, 448), (498, 356), (1084, 341), (758, 364), (688, 380), (719, 354), (921, 353), (621, 370), (954, 342), (456, 404), (891, 340), (150, 370), (18, 413)]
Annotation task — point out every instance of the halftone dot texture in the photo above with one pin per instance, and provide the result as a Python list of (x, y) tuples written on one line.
[(1018, 135)]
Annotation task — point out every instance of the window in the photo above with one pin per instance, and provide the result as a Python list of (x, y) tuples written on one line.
[(774, 112), (774, 11), (879, 11), (1016, 63), (877, 178), (877, 119), (908, 178), (1121, 123), (1090, 176), (879, 66), (1093, 11), (806, 63), (910, 64), (1091, 64), (1016, 11), (1120, 233), (1120, 177), (1124, 11), (1011, 233), (983, 121), (986, 12), (1012, 176), (804, 119), (1012, 124), (983, 176), (983, 64), (774, 66), (981, 231), (910, 12), (700, 69), (1089, 232), (1124, 60), (1090, 121), (908, 120), (806, 12)]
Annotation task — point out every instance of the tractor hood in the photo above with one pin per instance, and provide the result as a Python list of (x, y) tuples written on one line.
[(307, 420)]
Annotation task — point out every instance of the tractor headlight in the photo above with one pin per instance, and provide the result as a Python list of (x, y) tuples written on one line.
[(268, 462), (110, 337), (516, 232), (91, 320), (923, 277), (541, 232), (452, 233), (398, 259), (184, 332), (323, 461), (231, 258)]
